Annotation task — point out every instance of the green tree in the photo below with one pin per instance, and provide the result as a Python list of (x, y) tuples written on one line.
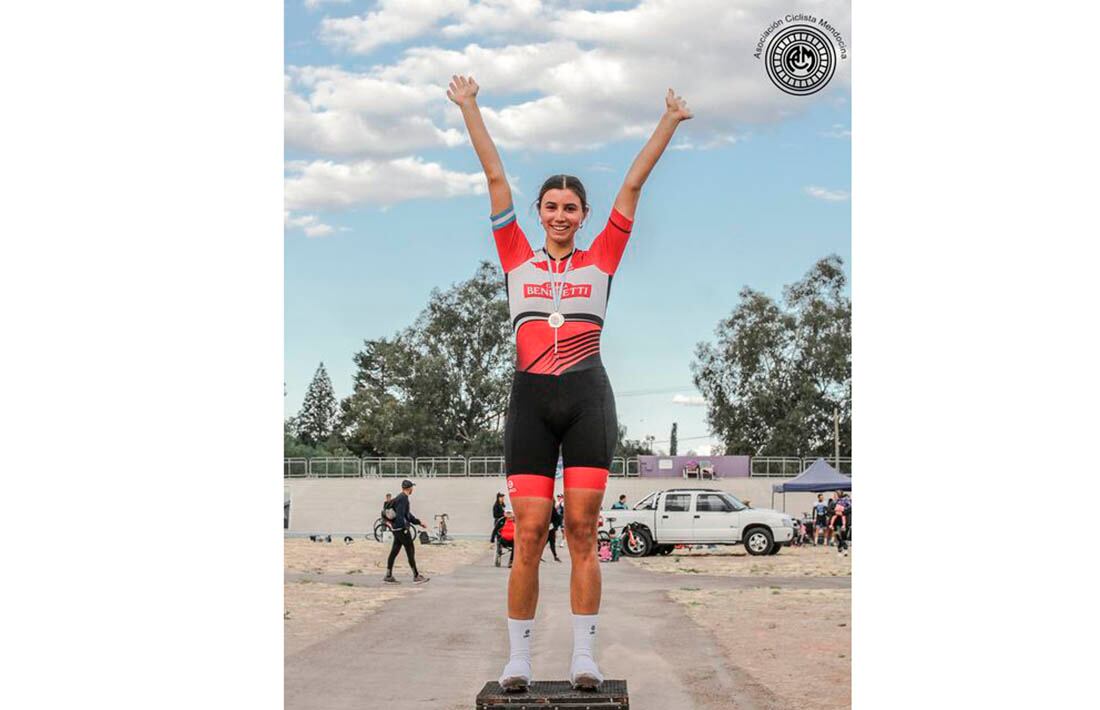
[(440, 387), (316, 421), (776, 372), (672, 441)]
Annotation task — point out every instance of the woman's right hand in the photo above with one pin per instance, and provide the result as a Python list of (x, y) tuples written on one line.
[(462, 90)]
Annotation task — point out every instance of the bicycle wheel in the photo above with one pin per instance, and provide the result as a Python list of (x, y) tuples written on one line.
[(382, 532)]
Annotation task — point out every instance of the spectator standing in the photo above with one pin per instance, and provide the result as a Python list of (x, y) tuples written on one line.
[(830, 508), (620, 504), (560, 508), (498, 513), (840, 524), (821, 518), (402, 537)]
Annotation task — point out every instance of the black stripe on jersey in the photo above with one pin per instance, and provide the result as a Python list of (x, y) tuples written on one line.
[(565, 341), (528, 314), (584, 354), (586, 317), (611, 219)]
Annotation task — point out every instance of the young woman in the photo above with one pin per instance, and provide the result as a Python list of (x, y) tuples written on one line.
[(561, 397)]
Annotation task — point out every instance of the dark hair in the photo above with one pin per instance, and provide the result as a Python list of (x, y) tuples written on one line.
[(563, 182), (622, 496)]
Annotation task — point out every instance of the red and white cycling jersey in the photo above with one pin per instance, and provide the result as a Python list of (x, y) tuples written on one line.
[(583, 300)]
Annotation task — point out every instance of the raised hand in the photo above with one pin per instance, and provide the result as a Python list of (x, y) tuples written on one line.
[(462, 89), (676, 107)]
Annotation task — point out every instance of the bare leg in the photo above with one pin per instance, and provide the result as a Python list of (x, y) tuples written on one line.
[(582, 509), (532, 522)]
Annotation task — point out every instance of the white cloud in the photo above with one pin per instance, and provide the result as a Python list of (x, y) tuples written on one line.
[(308, 223), (351, 114), (838, 131), (822, 193), (689, 400), (393, 21), (325, 184), (575, 76)]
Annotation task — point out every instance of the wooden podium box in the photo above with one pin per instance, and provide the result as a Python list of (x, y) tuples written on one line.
[(554, 695)]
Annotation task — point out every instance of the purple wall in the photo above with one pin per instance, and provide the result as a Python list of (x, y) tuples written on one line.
[(724, 466)]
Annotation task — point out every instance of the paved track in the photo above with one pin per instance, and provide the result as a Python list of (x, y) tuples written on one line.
[(435, 649)]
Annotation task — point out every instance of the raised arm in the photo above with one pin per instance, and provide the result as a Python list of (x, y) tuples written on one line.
[(676, 110), (463, 91)]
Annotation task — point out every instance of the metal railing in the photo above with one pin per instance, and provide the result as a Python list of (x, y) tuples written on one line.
[(388, 466), (485, 466), (775, 466), (335, 467), (475, 466), (295, 468), (436, 466)]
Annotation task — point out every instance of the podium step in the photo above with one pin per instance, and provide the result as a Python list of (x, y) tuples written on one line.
[(554, 694)]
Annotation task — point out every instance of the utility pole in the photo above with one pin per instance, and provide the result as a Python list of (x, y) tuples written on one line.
[(836, 437)]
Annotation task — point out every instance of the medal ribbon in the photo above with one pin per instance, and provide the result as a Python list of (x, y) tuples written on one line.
[(555, 294)]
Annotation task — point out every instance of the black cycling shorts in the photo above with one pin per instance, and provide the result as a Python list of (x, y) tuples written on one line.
[(573, 412)]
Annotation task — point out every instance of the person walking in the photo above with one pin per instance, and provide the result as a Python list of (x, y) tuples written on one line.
[(402, 537), (498, 513), (561, 399), (555, 524)]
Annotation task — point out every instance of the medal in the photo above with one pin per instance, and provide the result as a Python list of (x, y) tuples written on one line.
[(556, 320)]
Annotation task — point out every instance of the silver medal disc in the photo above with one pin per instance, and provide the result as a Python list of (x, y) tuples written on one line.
[(556, 320)]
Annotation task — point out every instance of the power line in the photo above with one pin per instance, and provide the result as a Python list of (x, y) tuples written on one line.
[(655, 390)]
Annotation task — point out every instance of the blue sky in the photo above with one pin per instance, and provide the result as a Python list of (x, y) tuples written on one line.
[(752, 191)]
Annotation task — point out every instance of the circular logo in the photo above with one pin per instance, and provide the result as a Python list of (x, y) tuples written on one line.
[(801, 60)]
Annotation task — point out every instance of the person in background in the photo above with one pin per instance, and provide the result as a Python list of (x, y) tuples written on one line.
[(560, 512), (830, 507), (555, 523), (506, 529), (401, 535), (821, 518), (840, 524), (846, 499), (620, 504), (498, 513)]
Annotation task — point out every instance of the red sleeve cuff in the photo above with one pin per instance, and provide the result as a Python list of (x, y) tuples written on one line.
[(620, 222)]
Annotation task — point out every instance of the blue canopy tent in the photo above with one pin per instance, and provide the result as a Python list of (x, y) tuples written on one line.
[(820, 477)]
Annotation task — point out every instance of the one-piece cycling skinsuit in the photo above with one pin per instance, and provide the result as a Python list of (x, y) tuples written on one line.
[(561, 396)]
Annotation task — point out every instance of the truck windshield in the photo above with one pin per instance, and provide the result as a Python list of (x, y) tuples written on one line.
[(737, 505), (647, 503)]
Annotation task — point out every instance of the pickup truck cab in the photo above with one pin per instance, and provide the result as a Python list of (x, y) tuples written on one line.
[(697, 516)]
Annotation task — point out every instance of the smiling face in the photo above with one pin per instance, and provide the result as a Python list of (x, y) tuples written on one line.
[(561, 213)]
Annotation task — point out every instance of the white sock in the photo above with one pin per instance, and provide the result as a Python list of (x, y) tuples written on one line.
[(584, 634), (519, 634)]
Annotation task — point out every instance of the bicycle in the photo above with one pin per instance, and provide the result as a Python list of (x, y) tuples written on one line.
[(382, 531)]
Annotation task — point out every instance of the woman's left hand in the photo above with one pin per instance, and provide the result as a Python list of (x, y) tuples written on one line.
[(677, 107)]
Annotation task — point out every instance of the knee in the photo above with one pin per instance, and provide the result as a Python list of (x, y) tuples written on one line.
[(529, 541)]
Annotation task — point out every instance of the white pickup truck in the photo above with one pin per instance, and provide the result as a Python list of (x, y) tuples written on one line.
[(696, 516)]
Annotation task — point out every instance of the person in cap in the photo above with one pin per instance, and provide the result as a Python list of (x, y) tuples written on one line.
[(402, 537)]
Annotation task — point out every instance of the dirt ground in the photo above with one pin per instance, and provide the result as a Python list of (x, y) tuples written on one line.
[(797, 643), (315, 610), (805, 561)]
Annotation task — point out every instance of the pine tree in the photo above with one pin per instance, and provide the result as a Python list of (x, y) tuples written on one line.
[(672, 441), (317, 418)]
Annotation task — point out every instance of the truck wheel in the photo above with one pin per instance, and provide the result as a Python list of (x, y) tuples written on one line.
[(643, 543), (775, 549), (759, 541), (666, 549)]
